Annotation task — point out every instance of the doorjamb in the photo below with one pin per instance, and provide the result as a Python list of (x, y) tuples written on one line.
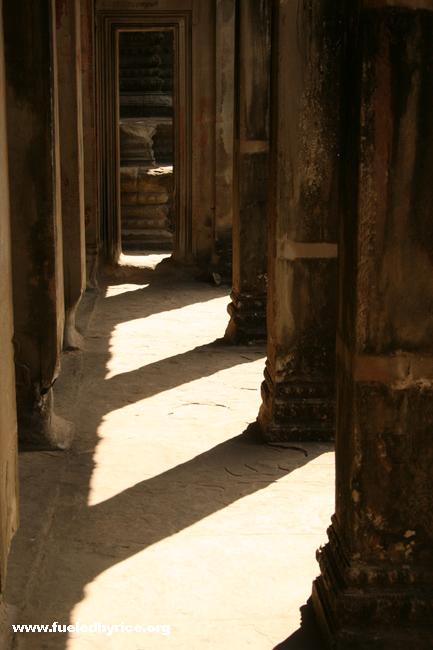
[(108, 25)]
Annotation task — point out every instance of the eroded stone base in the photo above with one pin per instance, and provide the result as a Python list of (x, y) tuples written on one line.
[(8, 616), (247, 319), (40, 428), (72, 338), (360, 606), (297, 409)]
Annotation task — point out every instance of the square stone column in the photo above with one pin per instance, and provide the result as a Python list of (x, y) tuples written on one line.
[(225, 42), (91, 205), (376, 584), (68, 39), (8, 417), (35, 199), (298, 391), (248, 307)]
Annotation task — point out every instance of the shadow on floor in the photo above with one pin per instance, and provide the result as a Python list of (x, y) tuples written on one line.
[(308, 636), (83, 541)]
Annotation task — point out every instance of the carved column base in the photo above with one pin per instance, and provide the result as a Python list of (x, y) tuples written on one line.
[(247, 319), (296, 409), (39, 428), (360, 606)]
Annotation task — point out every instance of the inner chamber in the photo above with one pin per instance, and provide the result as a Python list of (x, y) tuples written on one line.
[(146, 135)]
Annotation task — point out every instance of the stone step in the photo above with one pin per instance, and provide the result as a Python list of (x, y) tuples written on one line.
[(147, 217), (146, 60), (146, 246), (145, 198), (146, 85), (145, 233), (142, 211), (147, 243), (143, 240), (139, 179), (147, 224)]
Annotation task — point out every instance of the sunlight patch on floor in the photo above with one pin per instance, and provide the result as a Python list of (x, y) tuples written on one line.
[(145, 261), (156, 433), (119, 289), (251, 560), (170, 332), (190, 520)]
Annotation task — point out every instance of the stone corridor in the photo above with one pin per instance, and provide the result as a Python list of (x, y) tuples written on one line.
[(167, 510)]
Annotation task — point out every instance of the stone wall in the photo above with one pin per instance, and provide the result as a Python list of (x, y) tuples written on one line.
[(8, 422)]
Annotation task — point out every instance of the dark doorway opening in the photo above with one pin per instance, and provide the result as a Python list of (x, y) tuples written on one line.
[(147, 87)]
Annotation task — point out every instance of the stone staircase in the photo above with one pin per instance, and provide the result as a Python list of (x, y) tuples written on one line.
[(147, 210), (146, 141), (146, 74)]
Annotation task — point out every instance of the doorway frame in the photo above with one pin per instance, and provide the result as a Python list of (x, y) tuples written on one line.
[(108, 26)]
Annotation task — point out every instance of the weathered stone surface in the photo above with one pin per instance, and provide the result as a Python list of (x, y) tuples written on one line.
[(92, 208), (36, 217), (136, 142), (8, 420), (225, 47), (298, 393), (146, 72), (194, 105), (145, 179), (376, 588), (298, 388), (68, 39), (203, 134), (148, 220), (248, 307), (146, 198), (8, 616)]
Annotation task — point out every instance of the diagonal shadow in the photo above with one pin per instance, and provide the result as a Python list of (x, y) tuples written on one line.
[(134, 298), (85, 541), (308, 636), (167, 276), (195, 489), (166, 374)]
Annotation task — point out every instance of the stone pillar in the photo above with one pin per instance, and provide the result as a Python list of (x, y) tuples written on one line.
[(248, 307), (8, 421), (72, 162), (91, 207), (224, 134), (37, 262), (298, 391), (376, 584)]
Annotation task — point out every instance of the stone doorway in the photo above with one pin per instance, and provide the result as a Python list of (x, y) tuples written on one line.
[(147, 173), (144, 86)]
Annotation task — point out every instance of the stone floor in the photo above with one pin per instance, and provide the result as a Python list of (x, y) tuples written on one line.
[(167, 510)]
